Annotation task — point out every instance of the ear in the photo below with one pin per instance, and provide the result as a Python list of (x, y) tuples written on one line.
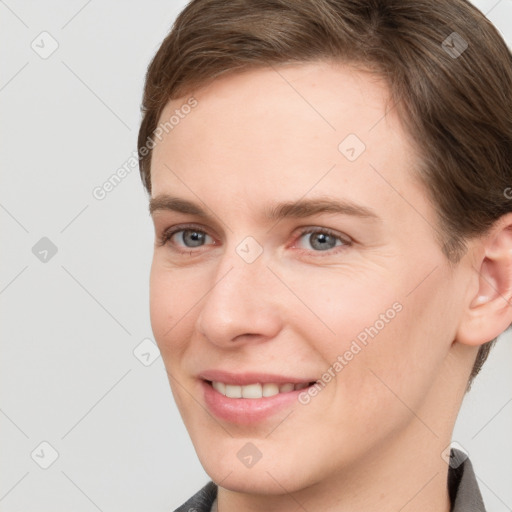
[(489, 310)]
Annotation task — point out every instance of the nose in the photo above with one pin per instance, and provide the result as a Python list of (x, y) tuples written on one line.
[(241, 305)]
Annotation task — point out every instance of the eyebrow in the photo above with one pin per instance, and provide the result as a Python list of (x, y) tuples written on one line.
[(294, 209), (175, 204), (308, 207)]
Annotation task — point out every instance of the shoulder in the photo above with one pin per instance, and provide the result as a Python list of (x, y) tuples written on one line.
[(201, 501), (462, 484)]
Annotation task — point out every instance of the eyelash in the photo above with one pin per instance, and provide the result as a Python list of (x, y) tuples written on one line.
[(170, 232), (345, 241)]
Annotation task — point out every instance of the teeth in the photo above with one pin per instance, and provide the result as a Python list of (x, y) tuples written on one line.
[(251, 391), (256, 390), (233, 391), (220, 387), (270, 389)]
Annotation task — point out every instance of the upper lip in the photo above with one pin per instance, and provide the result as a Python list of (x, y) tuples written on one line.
[(246, 378)]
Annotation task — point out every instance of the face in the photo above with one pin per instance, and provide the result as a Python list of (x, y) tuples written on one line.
[(295, 246)]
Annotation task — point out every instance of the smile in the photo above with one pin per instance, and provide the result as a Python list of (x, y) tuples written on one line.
[(256, 390)]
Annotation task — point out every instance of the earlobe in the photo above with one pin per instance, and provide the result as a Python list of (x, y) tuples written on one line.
[(489, 309)]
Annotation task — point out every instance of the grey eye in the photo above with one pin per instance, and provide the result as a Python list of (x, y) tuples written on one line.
[(322, 241), (191, 237)]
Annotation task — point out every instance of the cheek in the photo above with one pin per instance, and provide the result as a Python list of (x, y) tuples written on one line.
[(172, 299), (161, 304), (378, 337), (340, 306), (401, 363)]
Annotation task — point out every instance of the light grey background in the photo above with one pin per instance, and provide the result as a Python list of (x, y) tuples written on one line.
[(70, 324)]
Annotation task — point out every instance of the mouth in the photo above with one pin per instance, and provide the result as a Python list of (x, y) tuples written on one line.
[(250, 398), (247, 398), (257, 390)]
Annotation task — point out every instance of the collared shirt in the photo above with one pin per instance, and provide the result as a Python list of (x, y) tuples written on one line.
[(462, 486)]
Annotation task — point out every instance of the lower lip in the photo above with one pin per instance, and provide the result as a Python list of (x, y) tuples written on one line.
[(245, 411)]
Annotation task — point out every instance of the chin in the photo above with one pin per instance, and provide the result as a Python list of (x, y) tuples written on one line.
[(270, 475), (255, 481)]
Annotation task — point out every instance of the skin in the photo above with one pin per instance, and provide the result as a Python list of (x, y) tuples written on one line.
[(271, 135)]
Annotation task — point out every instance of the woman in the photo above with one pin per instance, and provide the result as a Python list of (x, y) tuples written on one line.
[(333, 257)]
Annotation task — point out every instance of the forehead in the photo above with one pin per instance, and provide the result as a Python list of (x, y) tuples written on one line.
[(283, 132), (297, 100)]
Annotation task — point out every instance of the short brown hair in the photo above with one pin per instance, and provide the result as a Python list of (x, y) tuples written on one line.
[(448, 69)]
